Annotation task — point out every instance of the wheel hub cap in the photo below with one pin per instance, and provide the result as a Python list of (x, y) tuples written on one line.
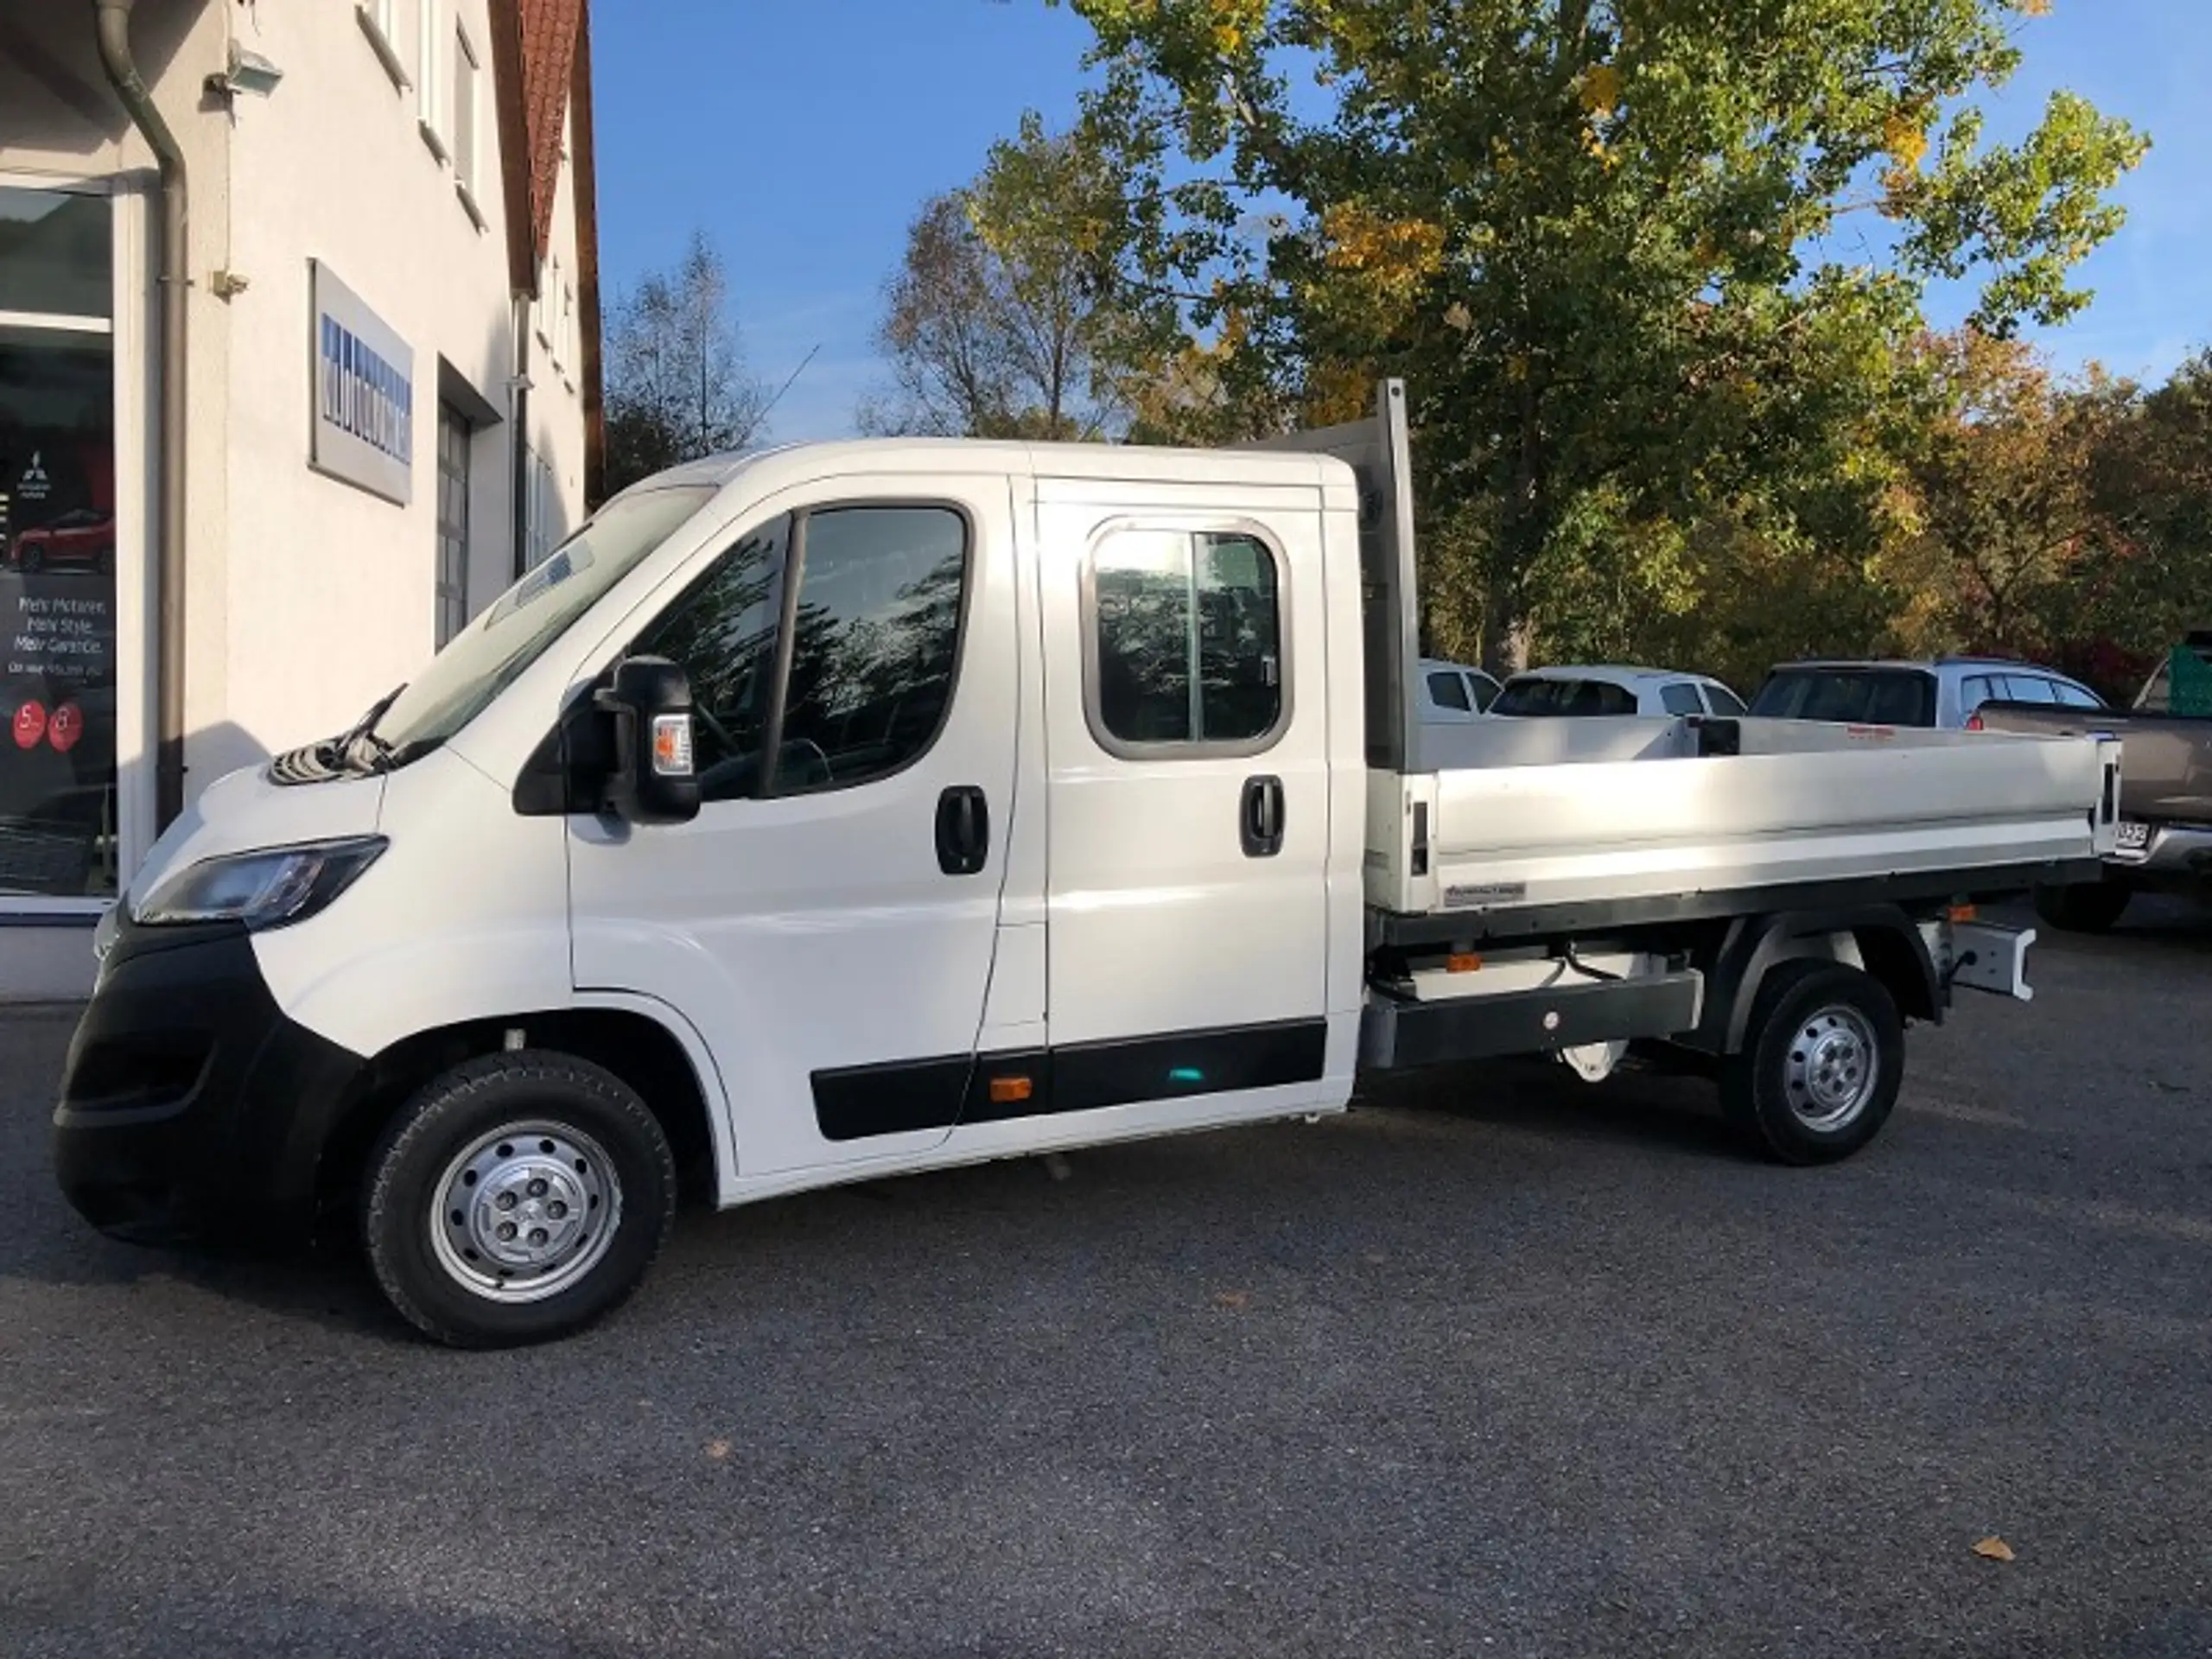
[(525, 1211), (1834, 1066)]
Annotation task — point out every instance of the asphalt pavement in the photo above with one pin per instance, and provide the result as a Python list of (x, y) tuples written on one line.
[(1498, 1364)]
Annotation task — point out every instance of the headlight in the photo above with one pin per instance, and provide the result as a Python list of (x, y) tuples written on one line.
[(263, 889)]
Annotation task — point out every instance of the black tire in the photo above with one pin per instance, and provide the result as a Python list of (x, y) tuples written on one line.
[(1809, 1031), (104, 562), (570, 1109), (30, 558), (2089, 907)]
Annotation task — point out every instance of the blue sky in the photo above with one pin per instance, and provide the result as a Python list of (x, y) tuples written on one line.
[(803, 134)]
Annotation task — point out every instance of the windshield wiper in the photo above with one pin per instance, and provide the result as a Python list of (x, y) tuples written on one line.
[(365, 728)]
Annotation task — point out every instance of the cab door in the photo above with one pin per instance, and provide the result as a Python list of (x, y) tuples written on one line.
[(1187, 810), (828, 922)]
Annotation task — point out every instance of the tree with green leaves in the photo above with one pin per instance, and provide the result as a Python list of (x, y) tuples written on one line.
[(1003, 319), (1615, 246)]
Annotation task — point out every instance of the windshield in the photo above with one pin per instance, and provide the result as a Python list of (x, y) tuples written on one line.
[(1556, 696), (1855, 696), (488, 655)]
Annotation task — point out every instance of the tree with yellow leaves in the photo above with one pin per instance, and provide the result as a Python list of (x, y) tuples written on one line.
[(1600, 239)]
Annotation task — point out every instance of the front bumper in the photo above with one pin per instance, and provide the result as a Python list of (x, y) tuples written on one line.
[(190, 1106)]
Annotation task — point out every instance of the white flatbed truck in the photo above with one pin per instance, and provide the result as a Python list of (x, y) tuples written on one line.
[(855, 809)]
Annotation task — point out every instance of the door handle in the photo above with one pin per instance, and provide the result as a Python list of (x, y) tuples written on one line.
[(964, 830), (1260, 817)]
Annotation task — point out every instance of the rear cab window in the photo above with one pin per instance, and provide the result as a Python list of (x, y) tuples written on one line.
[(1186, 642), (1853, 696)]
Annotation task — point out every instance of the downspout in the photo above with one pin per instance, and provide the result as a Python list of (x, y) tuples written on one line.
[(520, 428), (113, 21)]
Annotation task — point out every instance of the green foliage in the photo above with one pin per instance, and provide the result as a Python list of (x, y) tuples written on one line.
[(1601, 240), (678, 387)]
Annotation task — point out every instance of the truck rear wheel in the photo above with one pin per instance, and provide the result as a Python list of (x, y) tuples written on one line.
[(1822, 1063), (516, 1198), (2088, 907)]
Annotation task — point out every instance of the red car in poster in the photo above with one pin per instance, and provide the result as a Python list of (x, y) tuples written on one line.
[(80, 536)]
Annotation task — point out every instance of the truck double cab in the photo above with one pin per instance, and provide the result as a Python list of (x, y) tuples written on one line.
[(857, 809), (2164, 839)]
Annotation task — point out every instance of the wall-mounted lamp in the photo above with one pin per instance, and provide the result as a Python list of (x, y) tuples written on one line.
[(249, 72)]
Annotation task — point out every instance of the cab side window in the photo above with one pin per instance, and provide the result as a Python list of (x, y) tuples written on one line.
[(1186, 639), (722, 634), (1680, 697), (1448, 690), (873, 643)]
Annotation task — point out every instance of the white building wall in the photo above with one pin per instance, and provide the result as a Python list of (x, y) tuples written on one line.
[(332, 589), (306, 596)]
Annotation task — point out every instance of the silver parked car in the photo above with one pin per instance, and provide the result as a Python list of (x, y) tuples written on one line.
[(1941, 693)]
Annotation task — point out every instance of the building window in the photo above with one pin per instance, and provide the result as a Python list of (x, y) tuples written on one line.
[(543, 529), (452, 522), (1186, 641), (379, 21), (60, 678), (428, 83), (874, 648), (568, 356), (466, 76)]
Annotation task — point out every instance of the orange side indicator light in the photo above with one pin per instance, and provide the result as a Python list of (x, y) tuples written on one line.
[(1463, 961), (1007, 1091), (1963, 912)]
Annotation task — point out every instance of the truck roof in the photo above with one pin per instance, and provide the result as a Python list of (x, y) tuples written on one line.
[(1137, 463)]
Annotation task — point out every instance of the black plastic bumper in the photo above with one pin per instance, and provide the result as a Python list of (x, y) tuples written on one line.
[(191, 1107)]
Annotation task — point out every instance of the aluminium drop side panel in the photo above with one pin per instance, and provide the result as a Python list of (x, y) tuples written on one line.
[(1806, 804)]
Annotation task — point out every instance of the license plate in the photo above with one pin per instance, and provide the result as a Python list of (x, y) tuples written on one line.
[(2134, 836)]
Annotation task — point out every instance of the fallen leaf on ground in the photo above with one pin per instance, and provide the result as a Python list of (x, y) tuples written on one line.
[(1231, 1298), (1993, 1548), (718, 1450)]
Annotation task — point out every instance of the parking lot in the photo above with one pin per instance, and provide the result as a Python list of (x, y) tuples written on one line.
[(1500, 1363)]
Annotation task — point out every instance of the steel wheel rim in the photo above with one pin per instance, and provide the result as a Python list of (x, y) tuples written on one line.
[(525, 1211), (1832, 1069)]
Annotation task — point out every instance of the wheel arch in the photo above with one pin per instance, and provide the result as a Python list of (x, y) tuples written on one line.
[(652, 1049), (1886, 942)]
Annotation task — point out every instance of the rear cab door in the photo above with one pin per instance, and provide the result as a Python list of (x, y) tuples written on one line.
[(1188, 883)]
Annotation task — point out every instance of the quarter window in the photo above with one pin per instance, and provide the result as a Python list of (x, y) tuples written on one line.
[(875, 636), (1187, 633), (1448, 690), (1680, 698)]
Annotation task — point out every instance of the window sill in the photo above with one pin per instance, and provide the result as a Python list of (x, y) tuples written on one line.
[(468, 204), (437, 145), (386, 55)]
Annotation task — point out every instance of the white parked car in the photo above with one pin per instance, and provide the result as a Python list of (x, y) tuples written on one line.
[(1607, 691), (1453, 692)]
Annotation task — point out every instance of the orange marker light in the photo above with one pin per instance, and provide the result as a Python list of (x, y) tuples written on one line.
[(1006, 1092), (1963, 912), (1462, 962)]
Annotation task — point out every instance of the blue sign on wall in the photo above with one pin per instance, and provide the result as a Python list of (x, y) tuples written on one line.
[(364, 393)]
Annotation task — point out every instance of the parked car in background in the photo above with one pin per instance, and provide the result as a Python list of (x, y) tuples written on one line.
[(1943, 693), (2165, 788), (80, 536), (1452, 692), (1608, 690)]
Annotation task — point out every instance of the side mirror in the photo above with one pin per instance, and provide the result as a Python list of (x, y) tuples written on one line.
[(653, 780)]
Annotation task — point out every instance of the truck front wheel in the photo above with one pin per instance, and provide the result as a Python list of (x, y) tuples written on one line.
[(1822, 1063), (516, 1198)]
